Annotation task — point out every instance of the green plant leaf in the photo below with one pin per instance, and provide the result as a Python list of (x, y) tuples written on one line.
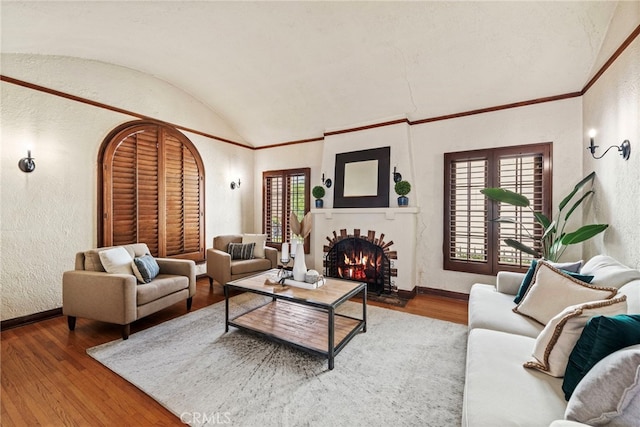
[(576, 204), (583, 233), (549, 230), (542, 219), (577, 188), (519, 246), (506, 196)]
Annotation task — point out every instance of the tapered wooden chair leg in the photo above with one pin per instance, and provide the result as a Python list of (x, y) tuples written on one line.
[(71, 321), (189, 302)]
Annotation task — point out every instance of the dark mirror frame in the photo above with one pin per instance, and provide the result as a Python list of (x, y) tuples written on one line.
[(383, 156)]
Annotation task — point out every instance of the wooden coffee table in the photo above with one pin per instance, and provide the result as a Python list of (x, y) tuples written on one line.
[(303, 318)]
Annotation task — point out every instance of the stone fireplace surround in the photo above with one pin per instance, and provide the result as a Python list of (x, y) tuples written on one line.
[(397, 225)]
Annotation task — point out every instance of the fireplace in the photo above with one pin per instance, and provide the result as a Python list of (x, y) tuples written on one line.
[(361, 258)]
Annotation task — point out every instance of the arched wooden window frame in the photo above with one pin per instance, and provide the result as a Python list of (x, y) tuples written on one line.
[(105, 199)]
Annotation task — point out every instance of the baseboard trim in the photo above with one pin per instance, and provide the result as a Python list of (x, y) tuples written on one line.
[(30, 318), (407, 294), (442, 293)]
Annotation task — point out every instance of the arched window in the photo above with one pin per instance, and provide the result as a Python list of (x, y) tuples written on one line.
[(151, 182)]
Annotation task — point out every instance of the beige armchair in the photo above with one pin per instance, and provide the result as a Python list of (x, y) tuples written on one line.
[(222, 269), (90, 292)]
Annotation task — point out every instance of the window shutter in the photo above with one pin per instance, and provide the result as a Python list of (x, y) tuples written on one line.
[(153, 191), (124, 195), (472, 241), (467, 216), (521, 174), (147, 189), (284, 191)]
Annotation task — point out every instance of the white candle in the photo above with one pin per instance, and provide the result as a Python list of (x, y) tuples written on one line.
[(293, 250), (285, 252)]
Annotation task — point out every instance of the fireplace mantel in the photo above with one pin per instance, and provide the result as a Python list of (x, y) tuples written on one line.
[(389, 213)]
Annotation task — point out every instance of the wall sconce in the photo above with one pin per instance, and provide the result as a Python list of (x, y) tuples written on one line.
[(397, 177), (326, 182), (234, 185), (624, 149), (26, 164)]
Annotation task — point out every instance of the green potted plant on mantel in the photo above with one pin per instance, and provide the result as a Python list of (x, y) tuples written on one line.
[(318, 192), (554, 239), (402, 188)]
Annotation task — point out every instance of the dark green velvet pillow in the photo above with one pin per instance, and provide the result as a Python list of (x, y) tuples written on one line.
[(601, 336), (570, 268)]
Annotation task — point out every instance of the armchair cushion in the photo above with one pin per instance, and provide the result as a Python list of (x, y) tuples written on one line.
[(241, 250), (145, 268), (259, 239), (116, 260), (161, 286)]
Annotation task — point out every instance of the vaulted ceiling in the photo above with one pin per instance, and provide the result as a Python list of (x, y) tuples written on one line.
[(286, 71)]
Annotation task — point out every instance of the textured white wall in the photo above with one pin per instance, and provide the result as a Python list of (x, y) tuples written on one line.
[(50, 214), (559, 122), (612, 107)]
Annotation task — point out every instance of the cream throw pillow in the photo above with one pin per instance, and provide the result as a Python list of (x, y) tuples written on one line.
[(116, 260), (259, 239), (554, 344), (553, 290)]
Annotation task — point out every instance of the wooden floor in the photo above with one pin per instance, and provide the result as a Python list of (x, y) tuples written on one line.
[(49, 380)]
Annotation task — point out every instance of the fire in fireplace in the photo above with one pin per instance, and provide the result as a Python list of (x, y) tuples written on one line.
[(360, 258)]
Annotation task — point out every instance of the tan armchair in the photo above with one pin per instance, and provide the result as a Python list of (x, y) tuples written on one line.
[(222, 269), (90, 292)]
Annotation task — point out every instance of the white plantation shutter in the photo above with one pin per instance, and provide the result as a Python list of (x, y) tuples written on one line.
[(472, 242)]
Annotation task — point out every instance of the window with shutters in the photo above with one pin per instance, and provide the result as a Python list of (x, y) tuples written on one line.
[(472, 242), (152, 191), (283, 192)]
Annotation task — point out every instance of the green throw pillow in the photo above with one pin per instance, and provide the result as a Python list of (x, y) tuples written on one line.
[(145, 268), (601, 336), (570, 268)]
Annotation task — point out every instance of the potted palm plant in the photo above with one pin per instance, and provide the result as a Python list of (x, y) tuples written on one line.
[(554, 239), (402, 188), (318, 192)]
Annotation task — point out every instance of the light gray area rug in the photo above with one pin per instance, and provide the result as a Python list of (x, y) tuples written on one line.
[(405, 370)]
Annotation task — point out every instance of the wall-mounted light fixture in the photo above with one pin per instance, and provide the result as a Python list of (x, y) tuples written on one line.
[(397, 177), (624, 149), (27, 164), (326, 182), (234, 185)]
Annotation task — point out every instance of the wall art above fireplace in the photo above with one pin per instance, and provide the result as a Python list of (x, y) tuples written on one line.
[(362, 179)]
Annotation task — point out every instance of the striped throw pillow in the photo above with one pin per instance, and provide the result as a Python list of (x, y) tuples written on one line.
[(241, 251)]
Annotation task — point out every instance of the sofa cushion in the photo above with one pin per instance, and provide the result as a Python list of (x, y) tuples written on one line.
[(159, 287), (552, 291), (259, 239), (606, 271), (610, 392), (490, 309), (241, 250), (145, 268), (557, 339), (632, 291), (249, 266), (499, 391), (221, 243), (601, 336), (567, 267), (92, 260), (116, 260)]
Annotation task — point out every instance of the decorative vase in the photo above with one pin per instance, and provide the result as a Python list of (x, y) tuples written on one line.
[(319, 203), (403, 201), (299, 265)]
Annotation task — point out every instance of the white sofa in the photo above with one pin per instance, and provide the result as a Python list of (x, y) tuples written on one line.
[(499, 391)]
